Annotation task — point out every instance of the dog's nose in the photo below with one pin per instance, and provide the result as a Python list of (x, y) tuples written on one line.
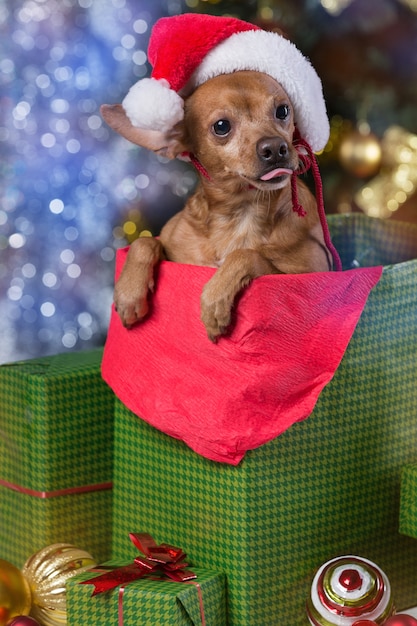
[(272, 149)]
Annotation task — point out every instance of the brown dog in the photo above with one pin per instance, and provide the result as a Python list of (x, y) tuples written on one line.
[(239, 128)]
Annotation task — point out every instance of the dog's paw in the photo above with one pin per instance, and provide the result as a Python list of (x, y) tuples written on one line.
[(215, 313), (130, 306), (131, 312)]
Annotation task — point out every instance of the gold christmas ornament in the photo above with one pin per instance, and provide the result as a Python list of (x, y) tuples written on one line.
[(47, 572), (360, 152), (15, 597), (397, 180)]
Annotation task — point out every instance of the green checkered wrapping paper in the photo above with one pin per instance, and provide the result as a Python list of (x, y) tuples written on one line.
[(408, 502), (56, 433), (328, 486), (148, 602)]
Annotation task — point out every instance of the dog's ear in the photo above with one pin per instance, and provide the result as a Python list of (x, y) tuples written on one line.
[(166, 143)]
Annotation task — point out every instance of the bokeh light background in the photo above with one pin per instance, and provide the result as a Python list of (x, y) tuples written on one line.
[(71, 191)]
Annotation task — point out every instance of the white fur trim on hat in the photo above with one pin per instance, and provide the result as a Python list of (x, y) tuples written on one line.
[(274, 55), (151, 104)]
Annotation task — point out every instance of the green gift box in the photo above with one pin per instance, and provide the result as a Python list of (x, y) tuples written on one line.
[(408, 501), (56, 455), (328, 486), (148, 602)]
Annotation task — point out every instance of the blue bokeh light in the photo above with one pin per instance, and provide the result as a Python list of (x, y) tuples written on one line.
[(67, 182)]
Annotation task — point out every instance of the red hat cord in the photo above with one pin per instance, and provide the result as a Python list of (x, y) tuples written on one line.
[(308, 159)]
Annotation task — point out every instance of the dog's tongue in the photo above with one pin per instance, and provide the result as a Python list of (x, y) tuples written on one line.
[(281, 171)]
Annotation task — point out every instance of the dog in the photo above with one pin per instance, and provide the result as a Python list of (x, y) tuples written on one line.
[(238, 129)]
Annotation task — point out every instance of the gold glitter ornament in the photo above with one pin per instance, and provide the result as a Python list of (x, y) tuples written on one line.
[(360, 152), (15, 597), (397, 180), (47, 572)]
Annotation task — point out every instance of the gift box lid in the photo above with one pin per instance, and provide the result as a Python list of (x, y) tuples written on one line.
[(149, 601)]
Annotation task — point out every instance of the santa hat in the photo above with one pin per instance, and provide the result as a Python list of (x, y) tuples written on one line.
[(187, 50)]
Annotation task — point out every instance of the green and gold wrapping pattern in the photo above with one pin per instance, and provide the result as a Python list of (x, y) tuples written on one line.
[(56, 433), (366, 241), (408, 502), (148, 602), (328, 486)]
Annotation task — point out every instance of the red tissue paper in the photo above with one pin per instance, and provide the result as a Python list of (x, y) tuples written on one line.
[(288, 336)]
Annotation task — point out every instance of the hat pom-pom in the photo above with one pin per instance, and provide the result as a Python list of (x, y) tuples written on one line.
[(152, 105)]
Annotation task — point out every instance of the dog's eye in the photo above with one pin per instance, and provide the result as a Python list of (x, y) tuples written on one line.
[(222, 127), (282, 112)]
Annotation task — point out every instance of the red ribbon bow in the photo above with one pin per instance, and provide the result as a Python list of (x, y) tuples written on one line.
[(160, 560)]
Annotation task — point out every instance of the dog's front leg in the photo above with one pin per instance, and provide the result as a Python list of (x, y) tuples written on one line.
[(217, 298), (137, 279)]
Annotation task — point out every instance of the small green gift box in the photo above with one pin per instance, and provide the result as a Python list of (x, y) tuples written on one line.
[(56, 455), (408, 501), (148, 602)]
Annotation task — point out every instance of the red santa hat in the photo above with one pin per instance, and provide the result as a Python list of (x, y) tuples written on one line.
[(187, 50)]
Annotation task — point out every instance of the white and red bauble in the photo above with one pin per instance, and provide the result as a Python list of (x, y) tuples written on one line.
[(347, 590)]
